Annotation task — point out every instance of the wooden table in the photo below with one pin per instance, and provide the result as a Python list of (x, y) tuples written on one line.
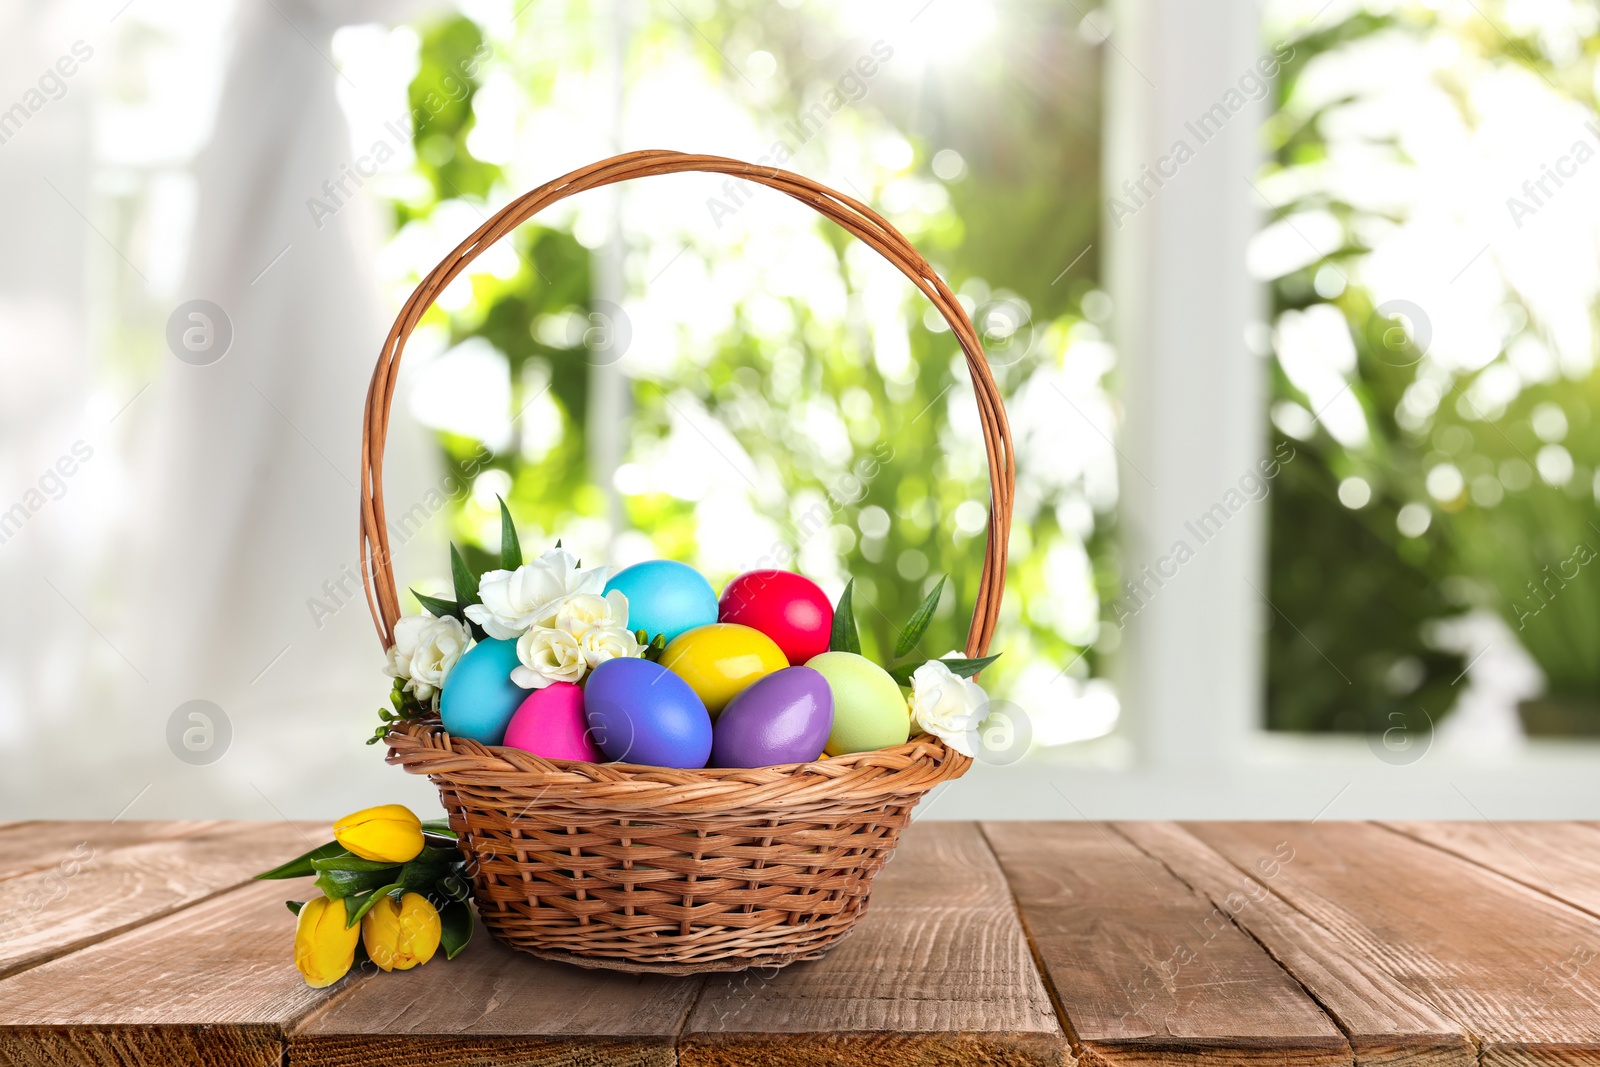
[(1001, 943)]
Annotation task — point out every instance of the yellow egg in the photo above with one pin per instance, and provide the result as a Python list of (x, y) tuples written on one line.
[(720, 660)]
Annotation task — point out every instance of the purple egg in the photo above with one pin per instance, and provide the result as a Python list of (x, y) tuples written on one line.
[(782, 718), (640, 712)]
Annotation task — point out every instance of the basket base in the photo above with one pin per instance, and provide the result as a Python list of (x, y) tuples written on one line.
[(594, 963)]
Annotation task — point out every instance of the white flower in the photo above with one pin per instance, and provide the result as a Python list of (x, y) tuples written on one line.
[(548, 655), (585, 612), (424, 650), (946, 706), (600, 643), (531, 595)]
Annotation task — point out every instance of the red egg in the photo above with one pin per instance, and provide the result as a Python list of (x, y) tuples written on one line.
[(787, 607)]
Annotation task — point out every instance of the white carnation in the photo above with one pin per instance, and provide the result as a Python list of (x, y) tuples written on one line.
[(533, 594), (600, 643), (585, 612), (424, 650), (946, 706), (548, 655)]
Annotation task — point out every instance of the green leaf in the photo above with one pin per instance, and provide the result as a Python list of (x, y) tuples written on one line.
[(961, 668), (845, 638), (510, 547), (421, 873), (438, 827), (919, 621), (465, 581), (337, 884), (366, 903), (455, 927), (437, 607), (348, 861), (453, 888), (300, 866), (295, 905)]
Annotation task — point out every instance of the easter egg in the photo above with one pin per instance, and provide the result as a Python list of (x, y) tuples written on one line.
[(721, 659), (869, 711), (550, 723), (665, 597), (783, 718), (640, 712), (479, 697), (787, 607)]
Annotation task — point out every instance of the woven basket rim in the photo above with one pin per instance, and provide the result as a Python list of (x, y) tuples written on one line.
[(424, 747)]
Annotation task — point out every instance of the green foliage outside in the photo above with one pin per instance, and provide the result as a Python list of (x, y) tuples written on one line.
[(1497, 458)]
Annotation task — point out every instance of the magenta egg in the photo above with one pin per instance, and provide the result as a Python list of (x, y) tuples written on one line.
[(551, 723), (784, 717)]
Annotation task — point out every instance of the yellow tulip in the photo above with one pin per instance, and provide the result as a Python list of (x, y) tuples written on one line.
[(388, 833), (324, 947), (401, 935)]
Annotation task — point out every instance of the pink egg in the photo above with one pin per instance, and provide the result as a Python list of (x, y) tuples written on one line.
[(550, 723)]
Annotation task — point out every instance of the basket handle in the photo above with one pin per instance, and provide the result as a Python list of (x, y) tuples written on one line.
[(377, 569)]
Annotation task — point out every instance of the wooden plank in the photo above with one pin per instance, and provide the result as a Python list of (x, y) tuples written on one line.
[(213, 983), (1143, 969), (40, 846), (1558, 858), (1384, 1021), (492, 1005), (1488, 953), (87, 894), (939, 971)]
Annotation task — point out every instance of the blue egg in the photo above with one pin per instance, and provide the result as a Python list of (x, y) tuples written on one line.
[(665, 597), (640, 712), (479, 697)]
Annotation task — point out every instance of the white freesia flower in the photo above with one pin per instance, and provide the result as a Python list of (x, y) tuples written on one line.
[(424, 650), (600, 643), (586, 612), (531, 595), (946, 706), (548, 655)]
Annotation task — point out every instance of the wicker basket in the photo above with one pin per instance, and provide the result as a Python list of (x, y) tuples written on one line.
[(650, 869)]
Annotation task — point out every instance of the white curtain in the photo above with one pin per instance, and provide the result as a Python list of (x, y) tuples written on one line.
[(233, 578)]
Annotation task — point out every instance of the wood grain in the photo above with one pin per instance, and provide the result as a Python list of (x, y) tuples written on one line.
[(1508, 965), (213, 983), (1558, 858), (938, 972), (1146, 971), (1384, 1021), (492, 1005), (40, 846), (86, 893)]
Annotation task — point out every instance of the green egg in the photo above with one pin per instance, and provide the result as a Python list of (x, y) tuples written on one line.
[(869, 710)]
